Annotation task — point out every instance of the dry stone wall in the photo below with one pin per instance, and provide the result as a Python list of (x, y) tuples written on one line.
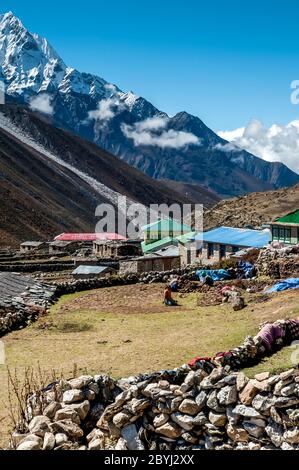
[(279, 263), (22, 301), (206, 408)]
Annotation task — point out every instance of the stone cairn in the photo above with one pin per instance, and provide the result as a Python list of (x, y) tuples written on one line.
[(204, 407)]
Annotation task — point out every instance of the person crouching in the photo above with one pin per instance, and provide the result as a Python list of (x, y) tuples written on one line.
[(168, 300)]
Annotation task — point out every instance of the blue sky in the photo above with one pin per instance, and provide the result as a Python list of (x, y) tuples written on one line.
[(225, 61)]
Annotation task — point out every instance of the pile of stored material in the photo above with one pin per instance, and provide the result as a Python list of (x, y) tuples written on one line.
[(22, 300), (279, 263), (206, 408)]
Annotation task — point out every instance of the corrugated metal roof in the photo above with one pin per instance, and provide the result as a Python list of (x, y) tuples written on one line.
[(168, 251), (147, 257), (32, 243), (291, 218), (89, 236), (236, 236), (82, 269), (167, 225), (158, 244), (186, 237)]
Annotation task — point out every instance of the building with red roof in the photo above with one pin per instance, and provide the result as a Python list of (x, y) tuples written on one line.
[(89, 237)]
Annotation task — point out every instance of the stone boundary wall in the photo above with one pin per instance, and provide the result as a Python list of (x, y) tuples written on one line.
[(181, 409), (78, 285), (36, 267), (24, 310), (16, 318)]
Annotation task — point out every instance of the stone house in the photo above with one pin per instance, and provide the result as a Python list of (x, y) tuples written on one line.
[(161, 229), (144, 264), (222, 242), (33, 247), (59, 246), (189, 252), (110, 249), (285, 229)]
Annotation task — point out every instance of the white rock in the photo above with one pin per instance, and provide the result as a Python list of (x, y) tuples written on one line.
[(80, 382), (65, 413), (39, 425), (60, 438), (121, 444), (71, 396), (49, 441), (81, 408), (96, 444), (160, 419), (184, 421), (29, 445)]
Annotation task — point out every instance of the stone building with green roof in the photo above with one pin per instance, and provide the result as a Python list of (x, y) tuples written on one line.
[(285, 229), (162, 229)]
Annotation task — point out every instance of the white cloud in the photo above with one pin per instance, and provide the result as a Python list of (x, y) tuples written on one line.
[(42, 103), (228, 147), (110, 87), (153, 132), (232, 135), (107, 109), (275, 143)]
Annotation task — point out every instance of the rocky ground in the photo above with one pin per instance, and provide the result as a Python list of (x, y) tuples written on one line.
[(252, 209)]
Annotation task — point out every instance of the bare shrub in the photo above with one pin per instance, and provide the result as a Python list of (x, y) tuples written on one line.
[(27, 393)]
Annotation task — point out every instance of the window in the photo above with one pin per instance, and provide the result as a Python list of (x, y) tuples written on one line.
[(235, 249), (282, 234), (287, 235), (275, 233), (222, 251), (210, 250)]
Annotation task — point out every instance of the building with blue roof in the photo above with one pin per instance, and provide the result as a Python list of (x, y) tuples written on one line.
[(221, 242)]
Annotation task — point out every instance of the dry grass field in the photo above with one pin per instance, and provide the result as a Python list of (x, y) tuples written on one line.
[(126, 330)]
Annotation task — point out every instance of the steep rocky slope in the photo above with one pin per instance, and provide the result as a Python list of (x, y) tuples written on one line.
[(195, 192), (253, 209), (54, 182)]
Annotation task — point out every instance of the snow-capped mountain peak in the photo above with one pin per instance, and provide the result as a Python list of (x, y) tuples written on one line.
[(30, 65), (122, 122)]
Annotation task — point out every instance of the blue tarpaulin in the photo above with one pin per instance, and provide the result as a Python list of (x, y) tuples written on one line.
[(247, 269), (215, 274), (291, 283)]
